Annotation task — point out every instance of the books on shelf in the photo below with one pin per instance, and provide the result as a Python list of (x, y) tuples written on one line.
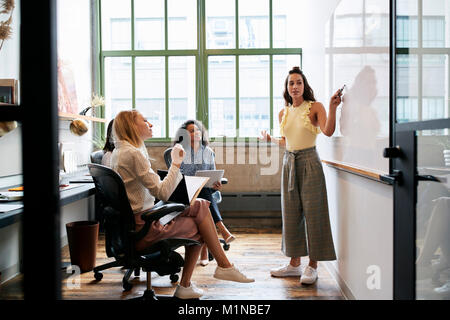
[(187, 190), (9, 91)]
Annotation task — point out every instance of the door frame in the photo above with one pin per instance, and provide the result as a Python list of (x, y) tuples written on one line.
[(403, 169)]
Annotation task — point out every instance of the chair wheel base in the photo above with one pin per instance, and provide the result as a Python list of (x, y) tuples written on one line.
[(98, 276), (149, 295), (174, 278), (127, 286)]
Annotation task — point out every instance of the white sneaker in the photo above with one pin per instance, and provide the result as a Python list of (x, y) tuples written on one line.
[(191, 292), (231, 274), (445, 289), (204, 263), (286, 271), (309, 276)]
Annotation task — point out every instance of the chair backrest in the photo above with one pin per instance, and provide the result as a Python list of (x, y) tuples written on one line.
[(97, 156), (118, 215), (168, 157)]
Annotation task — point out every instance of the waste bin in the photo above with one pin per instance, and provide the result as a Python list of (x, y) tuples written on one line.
[(82, 237)]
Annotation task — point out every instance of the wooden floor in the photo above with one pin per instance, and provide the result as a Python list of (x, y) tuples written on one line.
[(254, 253)]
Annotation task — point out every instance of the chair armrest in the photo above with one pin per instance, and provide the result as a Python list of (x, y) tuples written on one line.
[(175, 243), (224, 181), (159, 212)]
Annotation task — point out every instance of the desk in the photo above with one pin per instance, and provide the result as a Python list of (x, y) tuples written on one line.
[(75, 205), (85, 190)]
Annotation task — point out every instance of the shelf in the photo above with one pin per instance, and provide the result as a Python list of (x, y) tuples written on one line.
[(71, 116)]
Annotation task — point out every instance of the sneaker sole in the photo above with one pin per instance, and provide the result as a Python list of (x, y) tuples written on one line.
[(194, 296), (284, 275), (178, 298), (234, 280), (309, 283)]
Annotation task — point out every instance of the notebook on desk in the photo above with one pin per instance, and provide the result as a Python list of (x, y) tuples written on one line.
[(87, 179), (6, 196)]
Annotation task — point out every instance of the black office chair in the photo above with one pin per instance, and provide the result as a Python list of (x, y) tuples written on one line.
[(216, 195), (96, 156), (121, 237)]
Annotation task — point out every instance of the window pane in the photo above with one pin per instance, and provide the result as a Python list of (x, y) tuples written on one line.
[(181, 91), (348, 24), (281, 66), (117, 86), (285, 24), (434, 87), (407, 88), (253, 24), (220, 24), (182, 24), (407, 32), (116, 26), (222, 96), (149, 25), (376, 20), (254, 88), (435, 18), (150, 92), (432, 210)]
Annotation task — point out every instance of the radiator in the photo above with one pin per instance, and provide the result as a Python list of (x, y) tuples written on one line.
[(247, 201)]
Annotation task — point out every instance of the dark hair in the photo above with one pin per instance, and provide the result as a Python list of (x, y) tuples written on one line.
[(109, 144), (182, 133), (308, 93)]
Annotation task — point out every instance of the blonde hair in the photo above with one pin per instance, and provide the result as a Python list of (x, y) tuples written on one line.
[(124, 127)]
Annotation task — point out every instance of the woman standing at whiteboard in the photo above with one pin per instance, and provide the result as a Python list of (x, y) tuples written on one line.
[(303, 191)]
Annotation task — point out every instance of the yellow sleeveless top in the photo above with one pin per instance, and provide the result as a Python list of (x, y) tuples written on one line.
[(297, 128)]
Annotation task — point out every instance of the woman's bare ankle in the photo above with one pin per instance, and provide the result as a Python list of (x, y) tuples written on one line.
[(295, 262), (225, 265)]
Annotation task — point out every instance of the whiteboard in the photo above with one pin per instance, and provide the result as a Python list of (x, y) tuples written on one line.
[(357, 55)]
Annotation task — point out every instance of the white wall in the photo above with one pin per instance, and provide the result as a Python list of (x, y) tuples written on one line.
[(74, 49), (10, 144), (312, 31), (9, 55), (362, 224)]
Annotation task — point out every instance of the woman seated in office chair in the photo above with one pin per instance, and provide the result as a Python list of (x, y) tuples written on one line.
[(131, 161), (199, 156)]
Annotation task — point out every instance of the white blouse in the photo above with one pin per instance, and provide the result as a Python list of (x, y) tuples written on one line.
[(141, 182)]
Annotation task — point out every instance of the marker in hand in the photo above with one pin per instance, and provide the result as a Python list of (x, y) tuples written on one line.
[(341, 90)]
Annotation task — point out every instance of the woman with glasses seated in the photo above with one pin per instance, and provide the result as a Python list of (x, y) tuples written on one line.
[(193, 136), (131, 161)]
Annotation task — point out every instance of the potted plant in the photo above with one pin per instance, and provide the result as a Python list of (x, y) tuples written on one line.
[(6, 8)]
